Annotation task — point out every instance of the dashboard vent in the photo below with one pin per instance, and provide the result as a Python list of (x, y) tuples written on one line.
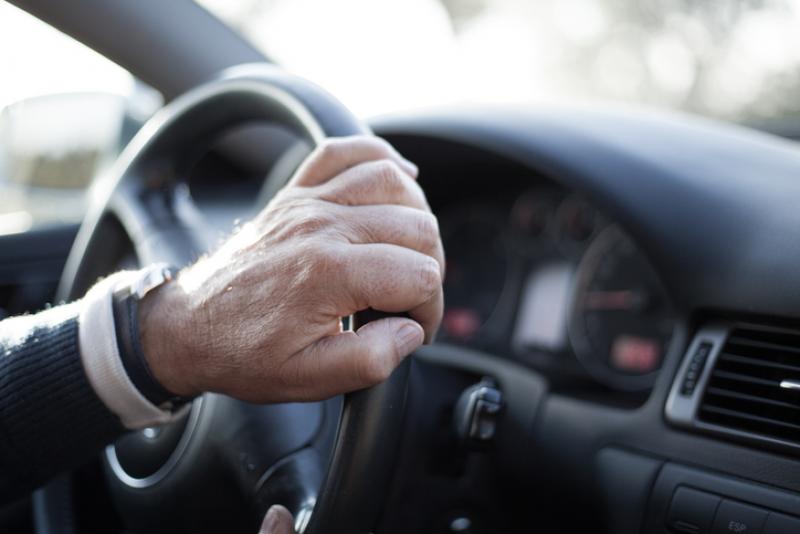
[(754, 386)]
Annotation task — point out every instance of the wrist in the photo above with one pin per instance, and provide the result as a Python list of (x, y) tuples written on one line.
[(162, 332)]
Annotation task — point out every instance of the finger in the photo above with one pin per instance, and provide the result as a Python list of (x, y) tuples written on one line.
[(395, 225), (429, 315), (335, 155), (352, 360), (380, 181), (386, 278), (277, 521)]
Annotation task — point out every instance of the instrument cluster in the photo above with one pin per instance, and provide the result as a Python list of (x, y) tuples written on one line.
[(544, 277)]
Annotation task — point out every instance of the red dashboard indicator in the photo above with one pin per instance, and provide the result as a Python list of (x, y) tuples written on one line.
[(635, 354), (612, 300), (461, 323)]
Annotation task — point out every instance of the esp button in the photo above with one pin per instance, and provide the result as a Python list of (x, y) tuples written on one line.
[(692, 511), (736, 518)]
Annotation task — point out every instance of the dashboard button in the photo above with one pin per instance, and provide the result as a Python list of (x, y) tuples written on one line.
[(781, 524), (692, 511), (695, 368), (736, 518)]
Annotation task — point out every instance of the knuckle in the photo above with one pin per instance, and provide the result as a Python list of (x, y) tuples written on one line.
[(312, 220), (325, 261), (328, 148), (430, 279), (373, 367), (427, 228), (363, 230), (381, 145), (388, 173)]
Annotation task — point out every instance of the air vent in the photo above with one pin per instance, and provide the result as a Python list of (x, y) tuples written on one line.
[(754, 385)]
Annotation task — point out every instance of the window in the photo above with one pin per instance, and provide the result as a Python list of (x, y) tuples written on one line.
[(734, 59), (65, 112)]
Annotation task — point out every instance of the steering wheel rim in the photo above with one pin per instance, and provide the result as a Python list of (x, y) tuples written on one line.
[(134, 195)]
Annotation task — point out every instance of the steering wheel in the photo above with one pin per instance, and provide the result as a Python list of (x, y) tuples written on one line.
[(330, 463)]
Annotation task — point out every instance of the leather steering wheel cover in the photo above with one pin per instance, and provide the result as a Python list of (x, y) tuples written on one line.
[(367, 440), (242, 94), (353, 492)]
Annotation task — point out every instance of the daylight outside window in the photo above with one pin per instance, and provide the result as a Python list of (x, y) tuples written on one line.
[(65, 114), (736, 59)]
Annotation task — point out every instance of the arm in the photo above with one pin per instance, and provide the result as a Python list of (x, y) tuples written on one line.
[(258, 320), (51, 419)]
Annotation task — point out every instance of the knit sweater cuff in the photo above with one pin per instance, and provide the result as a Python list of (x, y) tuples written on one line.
[(51, 419), (102, 363)]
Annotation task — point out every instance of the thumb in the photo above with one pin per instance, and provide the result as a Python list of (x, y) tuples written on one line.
[(277, 521), (354, 360)]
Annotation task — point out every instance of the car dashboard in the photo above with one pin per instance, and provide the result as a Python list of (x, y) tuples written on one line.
[(619, 275), (627, 276)]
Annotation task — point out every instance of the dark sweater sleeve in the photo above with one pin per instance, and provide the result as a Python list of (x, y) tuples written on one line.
[(51, 420)]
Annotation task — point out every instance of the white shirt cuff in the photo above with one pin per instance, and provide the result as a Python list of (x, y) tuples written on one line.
[(102, 363)]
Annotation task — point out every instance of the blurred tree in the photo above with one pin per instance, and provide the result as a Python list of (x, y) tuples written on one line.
[(462, 11)]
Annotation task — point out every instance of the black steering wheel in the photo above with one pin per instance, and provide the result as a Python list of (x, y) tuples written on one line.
[(225, 461)]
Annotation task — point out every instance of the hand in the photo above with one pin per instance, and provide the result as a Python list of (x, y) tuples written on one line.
[(277, 521), (259, 319)]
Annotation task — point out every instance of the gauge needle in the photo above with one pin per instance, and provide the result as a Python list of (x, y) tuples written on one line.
[(625, 299)]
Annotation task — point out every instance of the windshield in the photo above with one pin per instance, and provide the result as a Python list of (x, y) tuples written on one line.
[(736, 59)]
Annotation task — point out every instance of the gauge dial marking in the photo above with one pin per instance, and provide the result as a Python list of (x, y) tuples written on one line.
[(623, 299), (621, 321)]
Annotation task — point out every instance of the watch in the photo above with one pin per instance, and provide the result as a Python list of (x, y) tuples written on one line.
[(125, 302)]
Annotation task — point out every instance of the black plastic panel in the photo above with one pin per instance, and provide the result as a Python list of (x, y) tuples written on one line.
[(30, 267), (728, 499), (625, 480)]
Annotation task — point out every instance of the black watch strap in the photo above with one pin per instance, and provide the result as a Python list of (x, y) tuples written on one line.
[(126, 324)]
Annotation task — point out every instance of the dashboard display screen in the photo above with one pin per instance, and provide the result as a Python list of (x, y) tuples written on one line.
[(544, 308)]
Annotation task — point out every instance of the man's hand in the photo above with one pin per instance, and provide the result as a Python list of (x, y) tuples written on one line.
[(259, 319)]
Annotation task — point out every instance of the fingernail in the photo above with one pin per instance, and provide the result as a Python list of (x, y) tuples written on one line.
[(408, 338)]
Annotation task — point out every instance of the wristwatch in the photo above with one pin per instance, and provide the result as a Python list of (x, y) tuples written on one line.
[(126, 301)]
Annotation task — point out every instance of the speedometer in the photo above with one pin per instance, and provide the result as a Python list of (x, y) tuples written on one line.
[(621, 321)]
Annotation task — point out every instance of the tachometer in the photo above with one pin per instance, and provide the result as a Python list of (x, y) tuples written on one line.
[(621, 321)]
